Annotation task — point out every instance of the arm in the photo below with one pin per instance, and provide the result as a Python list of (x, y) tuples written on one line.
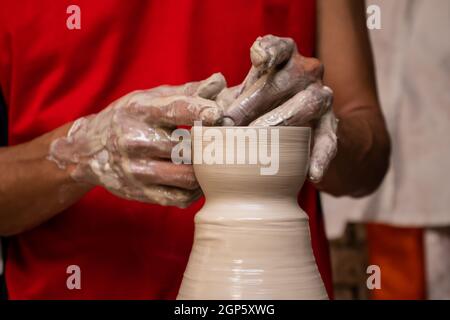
[(125, 148), (363, 142), (33, 189)]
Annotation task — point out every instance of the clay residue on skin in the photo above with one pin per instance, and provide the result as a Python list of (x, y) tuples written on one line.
[(276, 76), (308, 106), (325, 146), (284, 88), (126, 148), (210, 88)]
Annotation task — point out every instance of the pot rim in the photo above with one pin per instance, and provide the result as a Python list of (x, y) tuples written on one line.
[(301, 128)]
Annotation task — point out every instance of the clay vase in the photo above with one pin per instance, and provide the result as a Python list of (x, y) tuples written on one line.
[(252, 240)]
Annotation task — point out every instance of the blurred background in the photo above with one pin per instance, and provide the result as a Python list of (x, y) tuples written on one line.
[(404, 228)]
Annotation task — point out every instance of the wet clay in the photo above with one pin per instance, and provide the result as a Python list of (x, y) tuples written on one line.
[(252, 240), (126, 148)]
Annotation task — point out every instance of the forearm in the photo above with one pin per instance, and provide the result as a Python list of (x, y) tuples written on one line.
[(33, 189), (363, 141), (363, 154)]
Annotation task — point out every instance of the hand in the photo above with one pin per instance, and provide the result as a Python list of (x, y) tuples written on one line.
[(126, 148), (284, 88)]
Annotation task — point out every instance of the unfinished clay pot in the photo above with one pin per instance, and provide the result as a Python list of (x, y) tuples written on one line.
[(252, 240)]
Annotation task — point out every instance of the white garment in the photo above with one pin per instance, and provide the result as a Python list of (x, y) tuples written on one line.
[(437, 262), (412, 56)]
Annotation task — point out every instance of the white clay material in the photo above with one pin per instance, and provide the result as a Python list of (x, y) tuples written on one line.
[(252, 241)]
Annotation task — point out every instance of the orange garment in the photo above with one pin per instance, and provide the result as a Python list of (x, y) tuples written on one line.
[(399, 253)]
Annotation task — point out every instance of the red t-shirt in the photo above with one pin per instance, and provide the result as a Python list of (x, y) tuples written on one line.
[(50, 75)]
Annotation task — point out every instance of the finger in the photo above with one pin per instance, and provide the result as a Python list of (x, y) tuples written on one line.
[(305, 106), (211, 87), (325, 146), (226, 97), (162, 195), (267, 53), (270, 51), (159, 172), (170, 196), (252, 76), (273, 89), (172, 111), (250, 104), (208, 88), (141, 141)]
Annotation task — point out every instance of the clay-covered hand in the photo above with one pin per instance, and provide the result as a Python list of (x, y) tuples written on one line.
[(127, 147), (284, 88)]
